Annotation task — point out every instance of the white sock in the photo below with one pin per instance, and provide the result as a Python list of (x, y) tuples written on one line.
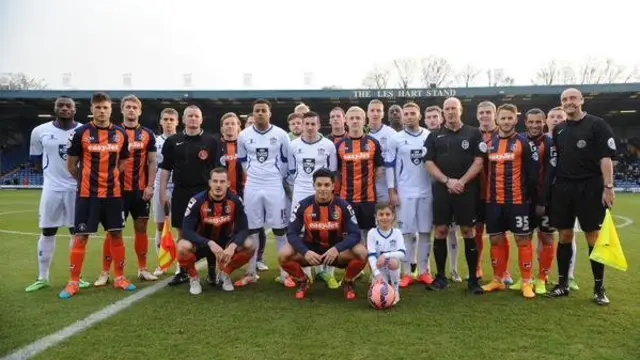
[(394, 277), (318, 269), (330, 270), (281, 241), (452, 242), (409, 243), (572, 264), (252, 265), (158, 241), (71, 240), (46, 248), (424, 251)]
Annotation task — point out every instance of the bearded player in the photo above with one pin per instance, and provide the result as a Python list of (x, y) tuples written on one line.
[(323, 230)]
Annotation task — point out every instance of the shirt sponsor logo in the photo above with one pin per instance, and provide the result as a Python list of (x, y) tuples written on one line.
[(103, 147), (323, 226), (217, 220), (502, 157)]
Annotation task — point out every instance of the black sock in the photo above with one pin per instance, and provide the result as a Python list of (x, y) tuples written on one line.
[(440, 253), (413, 267), (182, 272), (471, 254), (211, 265), (598, 272), (563, 256)]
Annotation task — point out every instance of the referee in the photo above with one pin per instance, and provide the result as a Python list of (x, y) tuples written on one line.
[(454, 158), (190, 155), (582, 186)]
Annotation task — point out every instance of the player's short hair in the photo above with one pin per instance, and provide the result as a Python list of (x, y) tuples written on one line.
[(310, 114), (217, 170), (261, 101), (131, 98), (411, 104), (300, 107), (487, 103), (324, 172), (293, 116), (357, 109), (191, 107), (535, 111), (557, 108), (383, 205), (169, 111), (433, 108), (100, 97), (375, 101), (337, 108), (508, 107), (228, 116)]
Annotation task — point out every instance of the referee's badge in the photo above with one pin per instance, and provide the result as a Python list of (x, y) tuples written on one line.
[(203, 154), (611, 144), (581, 144), (482, 147), (465, 144)]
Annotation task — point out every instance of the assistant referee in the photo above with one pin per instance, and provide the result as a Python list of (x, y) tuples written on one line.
[(581, 185), (454, 158), (190, 155)]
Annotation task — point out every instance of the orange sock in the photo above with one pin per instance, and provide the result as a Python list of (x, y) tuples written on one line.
[(188, 262), (546, 260), (479, 245), (106, 253), (76, 258), (497, 260), (294, 270), (506, 248), (141, 245), (525, 258), (117, 251), (237, 260), (353, 269)]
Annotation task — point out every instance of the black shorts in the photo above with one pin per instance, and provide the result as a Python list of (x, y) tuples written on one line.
[(481, 208), (542, 223), (514, 218), (134, 205), (448, 208), (365, 214), (179, 201), (91, 212), (582, 199)]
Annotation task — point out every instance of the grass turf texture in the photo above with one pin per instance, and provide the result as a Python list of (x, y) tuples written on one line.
[(264, 321)]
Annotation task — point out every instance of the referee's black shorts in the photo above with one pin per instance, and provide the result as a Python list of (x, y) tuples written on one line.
[(179, 201), (582, 199), (448, 208)]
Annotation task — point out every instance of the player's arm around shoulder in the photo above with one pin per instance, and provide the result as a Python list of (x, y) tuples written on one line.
[(124, 149), (296, 224)]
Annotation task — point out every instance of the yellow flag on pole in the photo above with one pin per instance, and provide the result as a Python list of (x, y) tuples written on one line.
[(608, 249), (167, 253)]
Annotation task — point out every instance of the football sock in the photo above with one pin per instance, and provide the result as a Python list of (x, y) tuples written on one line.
[(294, 270), (598, 272), (251, 268), (413, 267), (237, 260), (158, 241), (262, 242), (394, 278), (281, 241), (471, 255), (563, 256), (452, 244), (330, 270), (318, 269), (353, 269), (46, 247), (72, 239), (507, 254), (211, 263), (546, 260), (572, 263), (117, 252), (525, 258), (408, 259), (188, 263), (497, 260), (424, 251), (480, 244), (440, 253), (141, 245), (76, 258), (106, 253)]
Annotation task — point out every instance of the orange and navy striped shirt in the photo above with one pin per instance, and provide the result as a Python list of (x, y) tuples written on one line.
[(142, 141), (318, 226), (486, 136), (544, 146), (358, 160), (511, 173), (100, 150), (237, 176), (336, 139), (223, 221)]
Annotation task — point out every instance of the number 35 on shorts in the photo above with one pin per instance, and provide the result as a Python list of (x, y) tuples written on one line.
[(522, 222)]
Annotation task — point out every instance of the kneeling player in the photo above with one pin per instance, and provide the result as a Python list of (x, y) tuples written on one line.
[(331, 236), (215, 222), (386, 249)]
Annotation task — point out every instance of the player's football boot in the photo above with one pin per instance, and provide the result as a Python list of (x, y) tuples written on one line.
[(455, 277), (331, 281), (246, 280), (494, 285), (39, 284), (303, 288), (226, 283), (261, 266), (103, 279), (70, 290), (507, 279), (474, 287), (600, 297), (425, 279), (439, 283), (527, 290), (573, 284), (144, 274), (558, 291), (406, 281), (349, 292), (540, 287), (124, 284), (195, 288), (179, 278), (517, 286), (84, 284), (158, 272)]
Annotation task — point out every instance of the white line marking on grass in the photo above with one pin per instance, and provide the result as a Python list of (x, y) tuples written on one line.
[(79, 326)]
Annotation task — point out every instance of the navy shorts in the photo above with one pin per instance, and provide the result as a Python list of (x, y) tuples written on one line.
[(542, 223), (134, 205), (515, 218), (91, 212), (365, 214)]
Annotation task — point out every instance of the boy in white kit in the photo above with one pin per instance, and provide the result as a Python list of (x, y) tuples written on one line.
[(410, 192), (386, 248)]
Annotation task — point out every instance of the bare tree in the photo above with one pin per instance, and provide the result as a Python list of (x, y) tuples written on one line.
[(589, 71), (405, 69), (378, 78), (608, 71), (548, 74), (21, 81), (497, 77), (436, 71), (468, 75)]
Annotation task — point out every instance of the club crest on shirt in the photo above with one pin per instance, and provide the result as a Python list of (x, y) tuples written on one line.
[(465, 144), (262, 154), (62, 151), (416, 156), (115, 138), (203, 154), (308, 165), (392, 245)]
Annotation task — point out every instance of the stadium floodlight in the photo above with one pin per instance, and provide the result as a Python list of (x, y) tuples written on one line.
[(44, 116), (627, 111)]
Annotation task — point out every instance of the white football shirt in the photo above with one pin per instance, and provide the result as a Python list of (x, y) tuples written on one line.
[(51, 142), (160, 140), (405, 164), (305, 158), (383, 135), (264, 155), (378, 244)]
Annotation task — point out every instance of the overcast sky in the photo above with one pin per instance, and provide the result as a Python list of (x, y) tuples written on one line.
[(338, 41)]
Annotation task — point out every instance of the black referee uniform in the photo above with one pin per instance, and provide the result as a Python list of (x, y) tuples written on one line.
[(576, 186), (454, 152)]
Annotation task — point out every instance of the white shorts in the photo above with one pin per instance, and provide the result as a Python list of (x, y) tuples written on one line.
[(266, 207), (297, 197), (415, 215), (57, 209), (158, 211), (382, 192)]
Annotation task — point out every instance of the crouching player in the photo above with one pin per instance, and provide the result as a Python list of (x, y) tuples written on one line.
[(386, 249), (331, 236), (215, 222)]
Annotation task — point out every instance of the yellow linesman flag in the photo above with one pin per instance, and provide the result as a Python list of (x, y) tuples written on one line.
[(167, 253), (608, 250)]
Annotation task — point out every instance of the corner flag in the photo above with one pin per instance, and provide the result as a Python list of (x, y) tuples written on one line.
[(167, 253), (608, 250)]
